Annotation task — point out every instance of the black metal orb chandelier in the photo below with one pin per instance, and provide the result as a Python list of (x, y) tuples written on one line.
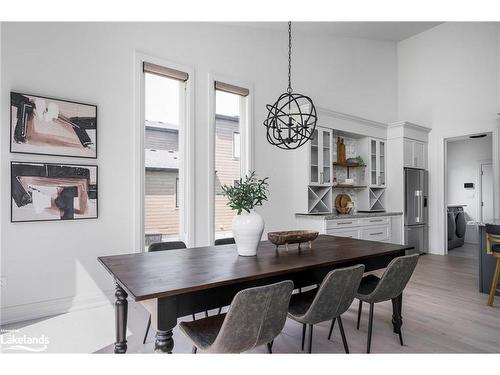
[(291, 120)]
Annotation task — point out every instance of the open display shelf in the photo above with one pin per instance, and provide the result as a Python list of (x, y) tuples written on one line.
[(319, 199)]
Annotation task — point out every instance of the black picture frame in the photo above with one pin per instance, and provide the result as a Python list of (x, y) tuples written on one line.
[(69, 155), (53, 164)]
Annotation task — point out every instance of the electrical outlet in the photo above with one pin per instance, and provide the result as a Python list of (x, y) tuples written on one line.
[(3, 282)]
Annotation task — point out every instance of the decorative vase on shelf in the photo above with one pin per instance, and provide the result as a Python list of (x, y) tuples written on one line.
[(247, 231), (248, 225)]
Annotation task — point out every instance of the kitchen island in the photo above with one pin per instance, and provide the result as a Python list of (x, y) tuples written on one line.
[(486, 262), (374, 226)]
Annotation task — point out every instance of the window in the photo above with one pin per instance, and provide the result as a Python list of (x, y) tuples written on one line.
[(236, 145), (163, 113), (177, 192), (229, 103)]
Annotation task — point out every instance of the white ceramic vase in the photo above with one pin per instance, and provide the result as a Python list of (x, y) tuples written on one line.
[(247, 231)]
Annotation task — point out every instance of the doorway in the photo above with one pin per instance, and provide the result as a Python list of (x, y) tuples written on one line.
[(468, 191)]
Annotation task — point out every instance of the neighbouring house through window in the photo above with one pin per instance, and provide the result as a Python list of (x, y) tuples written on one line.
[(228, 103), (163, 117)]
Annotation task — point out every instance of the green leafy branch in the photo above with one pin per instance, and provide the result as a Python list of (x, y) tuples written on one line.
[(246, 194)]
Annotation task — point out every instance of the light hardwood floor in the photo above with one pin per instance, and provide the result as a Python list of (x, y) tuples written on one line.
[(443, 312)]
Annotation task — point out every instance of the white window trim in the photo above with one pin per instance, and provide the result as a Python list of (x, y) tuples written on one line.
[(186, 152), (246, 140)]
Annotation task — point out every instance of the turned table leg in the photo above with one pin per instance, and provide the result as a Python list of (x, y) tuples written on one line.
[(165, 323), (121, 307)]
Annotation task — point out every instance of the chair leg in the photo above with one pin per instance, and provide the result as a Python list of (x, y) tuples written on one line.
[(359, 313), (194, 350), (342, 333), (309, 346), (147, 330), (303, 335), (494, 283), (220, 310), (331, 329), (206, 314), (370, 327), (269, 348), (396, 307), (194, 316)]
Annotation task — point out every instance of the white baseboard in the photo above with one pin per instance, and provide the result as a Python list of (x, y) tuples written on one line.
[(42, 309)]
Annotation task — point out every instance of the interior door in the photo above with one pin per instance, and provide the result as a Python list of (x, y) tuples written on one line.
[(486, 192)]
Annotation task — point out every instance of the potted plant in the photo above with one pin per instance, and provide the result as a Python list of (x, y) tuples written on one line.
[(247, 224)]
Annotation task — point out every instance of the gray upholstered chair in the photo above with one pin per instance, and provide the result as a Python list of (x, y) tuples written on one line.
[(163, 246), (329, 301), (224, 241), (255, 317), (169, 245), (390, 286)]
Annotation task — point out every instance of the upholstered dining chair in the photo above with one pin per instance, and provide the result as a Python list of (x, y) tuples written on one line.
[(329, 301), (163, 246), (373, 290), (493, 248), (224, 241), (255, 317)]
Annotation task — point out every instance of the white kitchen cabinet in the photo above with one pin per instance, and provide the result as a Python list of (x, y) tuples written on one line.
[(374, 151), (415, 155), (345, 232), (373, 228), (376, 233), (320, 157)]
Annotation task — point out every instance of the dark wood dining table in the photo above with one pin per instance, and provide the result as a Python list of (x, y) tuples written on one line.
[(176, 283)]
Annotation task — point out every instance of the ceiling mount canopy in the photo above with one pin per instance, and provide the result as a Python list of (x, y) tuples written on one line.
[(291, 120)]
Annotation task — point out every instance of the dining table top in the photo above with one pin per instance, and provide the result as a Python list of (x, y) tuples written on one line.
[(148, 275)]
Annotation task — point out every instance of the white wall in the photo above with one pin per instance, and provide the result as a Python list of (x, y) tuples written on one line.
[(94, 63), (464, 157), (448, 79)]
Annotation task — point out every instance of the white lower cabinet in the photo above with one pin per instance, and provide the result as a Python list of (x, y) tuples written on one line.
[(376, 233), (375, 228), (368, 228), (345, 232)]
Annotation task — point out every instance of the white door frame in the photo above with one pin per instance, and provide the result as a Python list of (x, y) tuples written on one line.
[(186, 152), (480, 186), (496, 183), (246, 140)]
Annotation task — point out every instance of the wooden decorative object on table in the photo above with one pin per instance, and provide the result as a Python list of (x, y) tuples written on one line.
[(343, 204), (291, 237)]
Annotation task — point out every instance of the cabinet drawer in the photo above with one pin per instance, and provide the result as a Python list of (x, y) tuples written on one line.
[(375, 233), (341, 223), (346, 232), (375, 220)]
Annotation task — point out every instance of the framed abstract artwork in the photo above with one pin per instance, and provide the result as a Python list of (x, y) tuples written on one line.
[(46, 126), (48, 192)]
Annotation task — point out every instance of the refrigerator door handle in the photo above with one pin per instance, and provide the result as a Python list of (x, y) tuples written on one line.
[(418, 205)]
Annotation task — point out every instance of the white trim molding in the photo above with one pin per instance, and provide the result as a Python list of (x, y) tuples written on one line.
[(42, 309)]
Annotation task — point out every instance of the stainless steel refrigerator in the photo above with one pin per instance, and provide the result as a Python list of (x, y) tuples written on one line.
[(416, 209)]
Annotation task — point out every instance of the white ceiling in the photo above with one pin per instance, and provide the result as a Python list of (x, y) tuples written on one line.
[(389, 31)]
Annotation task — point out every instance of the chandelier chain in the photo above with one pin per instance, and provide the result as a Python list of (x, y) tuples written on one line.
[(289, 90)]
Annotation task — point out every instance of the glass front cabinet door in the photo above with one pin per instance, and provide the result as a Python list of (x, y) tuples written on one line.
[(377, 163), (321, 157)]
